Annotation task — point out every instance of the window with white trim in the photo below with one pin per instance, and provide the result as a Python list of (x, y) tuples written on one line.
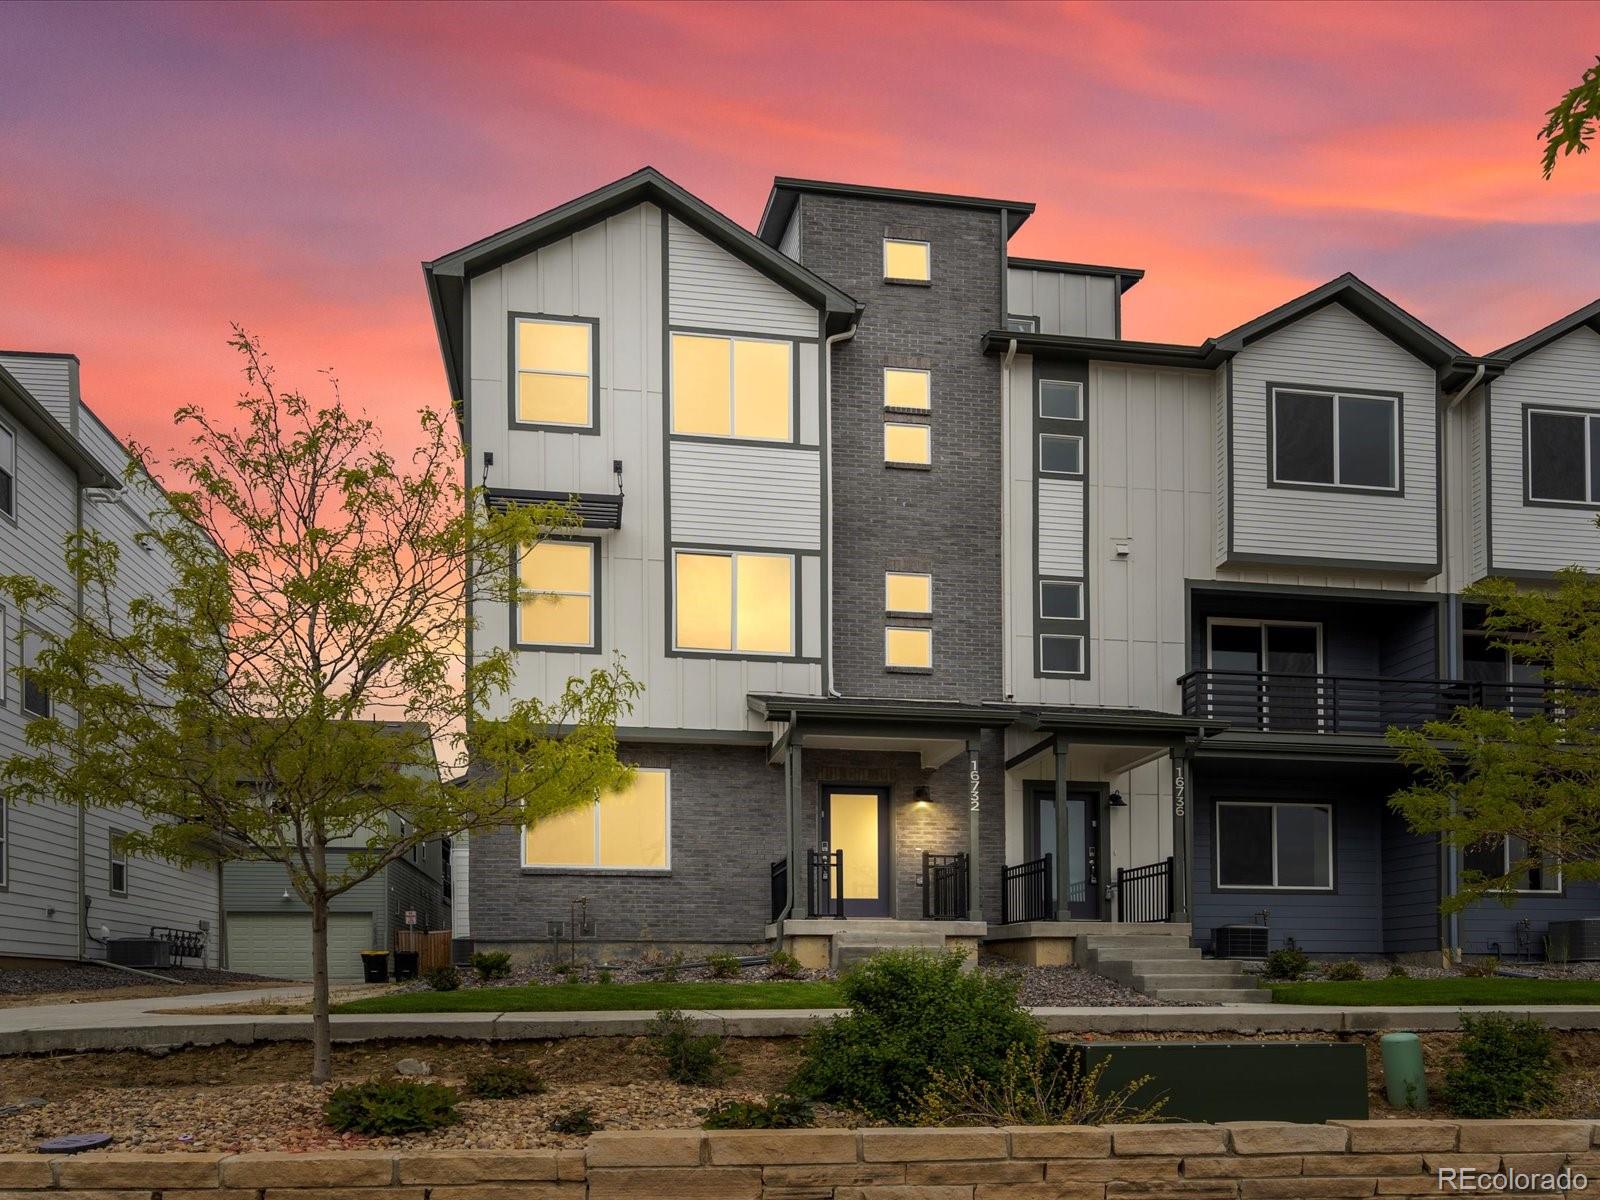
[(1536, 874), (732, 387), (907, 260), (1063, 627), (554, 369), (907, 387), (628, 829), (1060, 454), (1335, 439), (908, 649), (907, 445), (908, 593), (1061, 399), (117, 857), (5, 842), (8, 472), (36, 700), (1273, 846), (734, 602), (1563, 456), (563, 574)]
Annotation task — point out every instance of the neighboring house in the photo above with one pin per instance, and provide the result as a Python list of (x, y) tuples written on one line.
[(65, 883), (923, 562)]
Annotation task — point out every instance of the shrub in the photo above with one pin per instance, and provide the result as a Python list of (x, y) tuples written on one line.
[(1043, 1084), (571, 974), (723, 966), (578, 1121), (604, 976), (1348, 971), (1397, 971), (492, 964), (1287, 963), (775, 1112), (783, 965), (1480, 968), (693, 1059), (443, 979), (669, 967), (913, 1014), (1507, 1066), (504, 1082), (386, 1108)]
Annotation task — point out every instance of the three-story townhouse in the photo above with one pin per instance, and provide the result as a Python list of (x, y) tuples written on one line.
[(962, 617)]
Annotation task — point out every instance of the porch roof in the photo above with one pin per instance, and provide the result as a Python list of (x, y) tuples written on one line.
[(1126, 726)]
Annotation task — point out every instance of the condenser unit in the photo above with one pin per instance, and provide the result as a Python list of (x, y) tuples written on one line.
[(1239, 941)]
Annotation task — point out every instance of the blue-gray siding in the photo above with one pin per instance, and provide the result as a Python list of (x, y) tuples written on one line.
[(1410, 888), (1490, 927)]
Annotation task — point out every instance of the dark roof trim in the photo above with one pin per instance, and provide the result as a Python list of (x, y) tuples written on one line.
[(780, 707), (597, 510), (786, 193), (1126, 277), (1588, 315), (446, 275), (1133, 725), (1153, 354), (20, 403)]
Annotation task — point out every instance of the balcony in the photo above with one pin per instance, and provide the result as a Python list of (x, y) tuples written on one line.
[(1360, 704)]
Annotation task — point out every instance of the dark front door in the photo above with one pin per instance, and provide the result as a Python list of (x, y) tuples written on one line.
[(856, 820), (1072, 839)]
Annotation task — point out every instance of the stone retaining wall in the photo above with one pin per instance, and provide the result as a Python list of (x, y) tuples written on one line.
[(1343, 1160)]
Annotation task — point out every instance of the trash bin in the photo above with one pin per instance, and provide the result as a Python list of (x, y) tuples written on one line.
[(375, 966), (405, 964)]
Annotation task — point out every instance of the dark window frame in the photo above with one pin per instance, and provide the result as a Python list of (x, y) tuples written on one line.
[(512, 416), (1276, 888), (1505, 861), (1398, 455), (595, 573), (8, 478), (27, 684), (117, 856), (1592, 467)]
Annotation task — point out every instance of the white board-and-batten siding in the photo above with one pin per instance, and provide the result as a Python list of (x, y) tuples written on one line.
[(1066, 302)]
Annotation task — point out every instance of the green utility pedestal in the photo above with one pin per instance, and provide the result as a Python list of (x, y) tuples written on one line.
[(1402, 1070)]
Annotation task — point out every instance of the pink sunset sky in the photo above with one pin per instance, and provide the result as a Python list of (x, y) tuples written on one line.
[(169, 169)]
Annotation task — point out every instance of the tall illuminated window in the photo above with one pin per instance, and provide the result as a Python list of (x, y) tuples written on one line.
[(562, 573), (734, 602), (554, 363), (907, 260), (732, 387), (623, 830)]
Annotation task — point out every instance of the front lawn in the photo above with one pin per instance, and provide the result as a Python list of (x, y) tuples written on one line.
[(1453, 991), (606, 997)]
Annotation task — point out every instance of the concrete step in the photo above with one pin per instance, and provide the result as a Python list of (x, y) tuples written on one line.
[(1141, 952), (1130, 935), (852, 947), (1213, 995), (1156, 985)]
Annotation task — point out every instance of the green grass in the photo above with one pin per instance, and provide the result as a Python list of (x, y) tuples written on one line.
[(1452, 991), (606, 997)]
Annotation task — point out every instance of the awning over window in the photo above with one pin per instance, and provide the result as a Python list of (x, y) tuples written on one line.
[(597, 510)]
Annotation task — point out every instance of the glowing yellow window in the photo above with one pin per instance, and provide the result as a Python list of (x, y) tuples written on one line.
[(627, 829), (735, 602), (907, 444), (903, 388), (562, 613), (555, 372), (903, 593), (731, 387), (906, 260), (908, 647)]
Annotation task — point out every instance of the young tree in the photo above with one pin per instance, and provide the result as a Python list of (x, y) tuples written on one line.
[(1519, 770), (288, 695), (1569, 124)]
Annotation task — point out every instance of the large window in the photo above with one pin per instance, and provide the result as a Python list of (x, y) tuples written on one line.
[(8, 472), (1336, 439), (734, 602), (907, 261), (554, 362), (1538, 872), (625, 830), (563, 612), (36, 699), (732, 387), (1563, 456), (1262, 846)]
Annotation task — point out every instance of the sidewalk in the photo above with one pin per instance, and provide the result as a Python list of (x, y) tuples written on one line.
[(130, 1024)]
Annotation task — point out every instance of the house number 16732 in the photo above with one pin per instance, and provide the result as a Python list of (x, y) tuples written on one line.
[(973, 778)]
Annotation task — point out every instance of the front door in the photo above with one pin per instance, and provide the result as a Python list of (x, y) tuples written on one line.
[(856, 821), (1073, 843)]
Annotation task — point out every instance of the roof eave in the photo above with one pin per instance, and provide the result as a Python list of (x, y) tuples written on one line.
[(1588, 315), (1203, 357), (37, 420)]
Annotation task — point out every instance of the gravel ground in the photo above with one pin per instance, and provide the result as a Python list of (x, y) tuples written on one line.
[(38, 979), (1382, 969), (1068, 987)]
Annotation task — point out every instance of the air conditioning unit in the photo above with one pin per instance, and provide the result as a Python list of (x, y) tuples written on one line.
[(1574, 941), (1239, 941), (139, 952)]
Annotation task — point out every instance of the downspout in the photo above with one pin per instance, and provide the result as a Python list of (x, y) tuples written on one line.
[(1477, 378), (827, 531), (83, 868), (1005, 520)]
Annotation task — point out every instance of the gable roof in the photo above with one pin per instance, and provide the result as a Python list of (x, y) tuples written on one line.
[(1588, 315), (446, 275), (786, 193), (25, 409)]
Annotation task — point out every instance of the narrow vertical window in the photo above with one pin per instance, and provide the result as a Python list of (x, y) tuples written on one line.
[(555, 370), (560, 611), (36, 699), (8, 472), (907, 261), (5, 842), (117, 855)]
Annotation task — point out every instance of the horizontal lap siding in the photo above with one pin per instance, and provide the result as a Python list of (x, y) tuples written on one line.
[(1410, 888), (746, 495), (49, 379), (1565, 373), (710, 288), (1490, 927), (1061, 521), (1333, 348)]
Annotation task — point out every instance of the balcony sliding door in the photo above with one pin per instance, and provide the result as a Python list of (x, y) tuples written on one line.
[(1286, 659)]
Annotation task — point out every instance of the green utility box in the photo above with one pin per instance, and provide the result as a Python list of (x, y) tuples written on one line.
[(1235, 1081)]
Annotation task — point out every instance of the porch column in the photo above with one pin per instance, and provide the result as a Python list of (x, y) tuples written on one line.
[(1182, 831), (1061, 747), (974, 830), (792, 793)]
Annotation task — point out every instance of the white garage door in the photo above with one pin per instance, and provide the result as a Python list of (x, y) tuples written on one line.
[(279, 944)]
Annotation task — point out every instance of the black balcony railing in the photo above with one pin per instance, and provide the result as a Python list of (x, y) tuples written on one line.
[(1281, 703), (825, 884), (780, 887), (1026, 890), (1144, 894), (944, 887)]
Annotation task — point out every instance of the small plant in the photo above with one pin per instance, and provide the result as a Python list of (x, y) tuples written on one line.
[(1480, 968), (504, 1082), (1397, 971), (571, 974), (578, 1121), (1287, 963), (693, 1059), (783, 965), (443, 979), (1038, 1085), (1348, 971), (775, 1112), (1507, 1065), (387, 1108), (670, 966), (604, 976), (492, 964), (723, 966)]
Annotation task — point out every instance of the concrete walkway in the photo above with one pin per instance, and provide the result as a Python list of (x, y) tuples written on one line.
[(131, 1024)]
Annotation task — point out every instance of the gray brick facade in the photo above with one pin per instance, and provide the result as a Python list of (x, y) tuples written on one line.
[(945, 521)]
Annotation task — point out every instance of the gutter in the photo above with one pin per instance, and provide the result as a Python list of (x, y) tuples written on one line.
[(1005, 520), (1477, 378), (827, 532)]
